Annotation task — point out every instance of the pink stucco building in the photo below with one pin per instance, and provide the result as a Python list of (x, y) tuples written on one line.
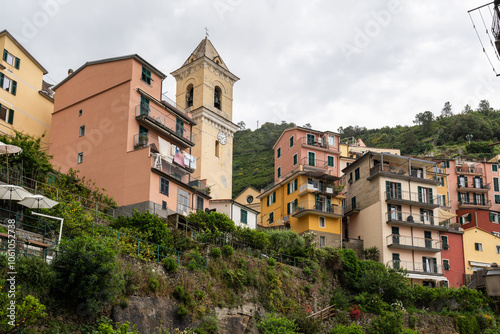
[(111, 123)]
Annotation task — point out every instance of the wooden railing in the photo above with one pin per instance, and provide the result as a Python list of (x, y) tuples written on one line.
[(324, 314)]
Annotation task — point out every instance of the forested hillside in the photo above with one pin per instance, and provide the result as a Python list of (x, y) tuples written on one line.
[(444, 133)]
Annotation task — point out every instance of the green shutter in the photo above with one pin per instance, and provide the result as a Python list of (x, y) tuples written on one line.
[(11, 117), (1, 79), (296, 183), (17, 64), (483, 200), (400, 195), (13, 90), (296, 203), (467, 197), (5, 54), (431, 199), (288, 208), (461, 220), (388, 189), (492, 217), (288, 188), (420, 194)]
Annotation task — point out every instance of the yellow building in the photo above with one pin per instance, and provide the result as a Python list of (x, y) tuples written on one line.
[(205, 88), (305, 201), (26, 102), (481, 248)]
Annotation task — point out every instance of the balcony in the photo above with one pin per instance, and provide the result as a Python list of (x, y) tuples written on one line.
[(316, 186), (417, 267), (471, 170), (318, 142), (474, 204), (320, 208), (413, 243), (402, 172), (414, 220), (316, 164), (182, 175), (405, 197), (166, 124), (474, 187), (352, 208)]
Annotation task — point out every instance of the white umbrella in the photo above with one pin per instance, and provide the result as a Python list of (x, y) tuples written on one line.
[(13, 193), (38, 202), (9, 149)]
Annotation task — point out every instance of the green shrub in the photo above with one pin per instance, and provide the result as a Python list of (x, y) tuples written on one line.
[(340, 299), (236, 279), (182, 311), (307, 271), (86, 272), (153, 284), (468, 324), (215, 253), (209, 325), (182, 295), (271, 262), (412, 321), (199, 295), (227, 250), (273, 324), (3, 230), (192, 265), (390, 323), (352, 329), (36, 276), (170, 265), (371, 303)]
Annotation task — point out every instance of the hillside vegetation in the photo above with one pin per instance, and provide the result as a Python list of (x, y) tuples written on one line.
[(444, 135)]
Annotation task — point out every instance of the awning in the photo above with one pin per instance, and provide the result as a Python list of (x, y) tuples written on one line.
[(427, 277), (445, 215)]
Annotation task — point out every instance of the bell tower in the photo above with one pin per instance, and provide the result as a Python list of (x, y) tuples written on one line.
[(205, 89)]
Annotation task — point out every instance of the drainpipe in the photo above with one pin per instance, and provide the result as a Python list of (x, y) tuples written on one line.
[(475, 217)]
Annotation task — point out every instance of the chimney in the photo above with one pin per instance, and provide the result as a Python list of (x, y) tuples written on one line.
[(70, 71)]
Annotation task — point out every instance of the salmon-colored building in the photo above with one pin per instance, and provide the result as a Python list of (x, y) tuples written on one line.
[(111, 123), (452, 256)]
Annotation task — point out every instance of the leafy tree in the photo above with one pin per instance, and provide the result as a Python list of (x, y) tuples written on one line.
[(446, 111), (241, 125), (307, 126), (87, 273), (272, 324), (146, 226)]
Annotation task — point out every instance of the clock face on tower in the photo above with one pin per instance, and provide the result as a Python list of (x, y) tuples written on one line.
[(222, 138)]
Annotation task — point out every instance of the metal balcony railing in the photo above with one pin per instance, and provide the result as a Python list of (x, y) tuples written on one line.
[(411, 196), (464, 169), (417, 267), (319, 206), (165, 121), (407, 241), (315, 163), (474, 203), (402, 170), (412, 218), (473, 185), (328, 188)]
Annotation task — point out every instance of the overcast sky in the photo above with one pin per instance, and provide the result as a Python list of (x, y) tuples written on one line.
[(329, 63)]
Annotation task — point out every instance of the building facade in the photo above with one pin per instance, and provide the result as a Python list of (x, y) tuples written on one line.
[(26, 102), (241, 215), (249, 198), (111, 124), (392, 205), (205, 89)]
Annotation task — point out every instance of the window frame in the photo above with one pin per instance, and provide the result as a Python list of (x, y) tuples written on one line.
[(16, 62), (295, 159), (309, 158), (357, 174), (271, 217), (244, 213), (310, 139), (445, 245), (79, 158), (328, 161), (446, 264), (278, 152), (478, 246), (146, 75), (494, 168), (164, 184), (292, 141), (319, 222), (81, 131), (322, 241), (9, 114), (278, 172), (199, 200)]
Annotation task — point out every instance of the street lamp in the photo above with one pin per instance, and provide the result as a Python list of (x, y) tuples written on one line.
[(492, 280), (469, 137)]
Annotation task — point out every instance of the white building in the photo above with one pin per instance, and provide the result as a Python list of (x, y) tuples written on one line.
[(240, 214)]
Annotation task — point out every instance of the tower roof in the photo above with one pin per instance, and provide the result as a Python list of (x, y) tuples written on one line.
[(206, 49)]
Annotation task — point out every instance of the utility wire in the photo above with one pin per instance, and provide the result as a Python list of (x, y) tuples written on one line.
[(480, 41)]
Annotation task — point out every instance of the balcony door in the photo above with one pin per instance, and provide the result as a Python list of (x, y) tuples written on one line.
[(183, 201), (429, 264), (393, 190), (428, 239), (396, 261), (395, 235), (311, 157), (462, 181), (394, 212), (478, 182)]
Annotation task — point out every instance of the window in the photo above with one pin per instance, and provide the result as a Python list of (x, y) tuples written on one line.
[(478, 246), (394, 212), (353, 203), (290, 207), (271, 218), (244, 216), (444, 242), (331, 140), (322, 241), (146, 75), (393, 190), (278, 172), (497, 199), (183, 201), (425, 195), (331, 161), (441, 181), (356, 174), (217, 148), (80, 158), (494, 168), (179, 127), (199, 203), (144, 106), (494, 217), (271, 199), (395, 261), (429, 264), (163, 205), (164, 184), (82, 131), (278, 153), (292, 186), (311, 158), (295, 158), (6, 115), (495, 184), (446, 265), (217, 97), (310, 139), (427, 216), (322, 223), (189, 96), (80, 112), (249, 199), (10, 59), (441, 200), (8, 84), (291, 141)]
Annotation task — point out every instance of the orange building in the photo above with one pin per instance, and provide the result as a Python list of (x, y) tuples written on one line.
[(111, 124)]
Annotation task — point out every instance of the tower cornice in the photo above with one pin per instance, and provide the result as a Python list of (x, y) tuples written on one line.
[(204, 63), (205, 115)]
